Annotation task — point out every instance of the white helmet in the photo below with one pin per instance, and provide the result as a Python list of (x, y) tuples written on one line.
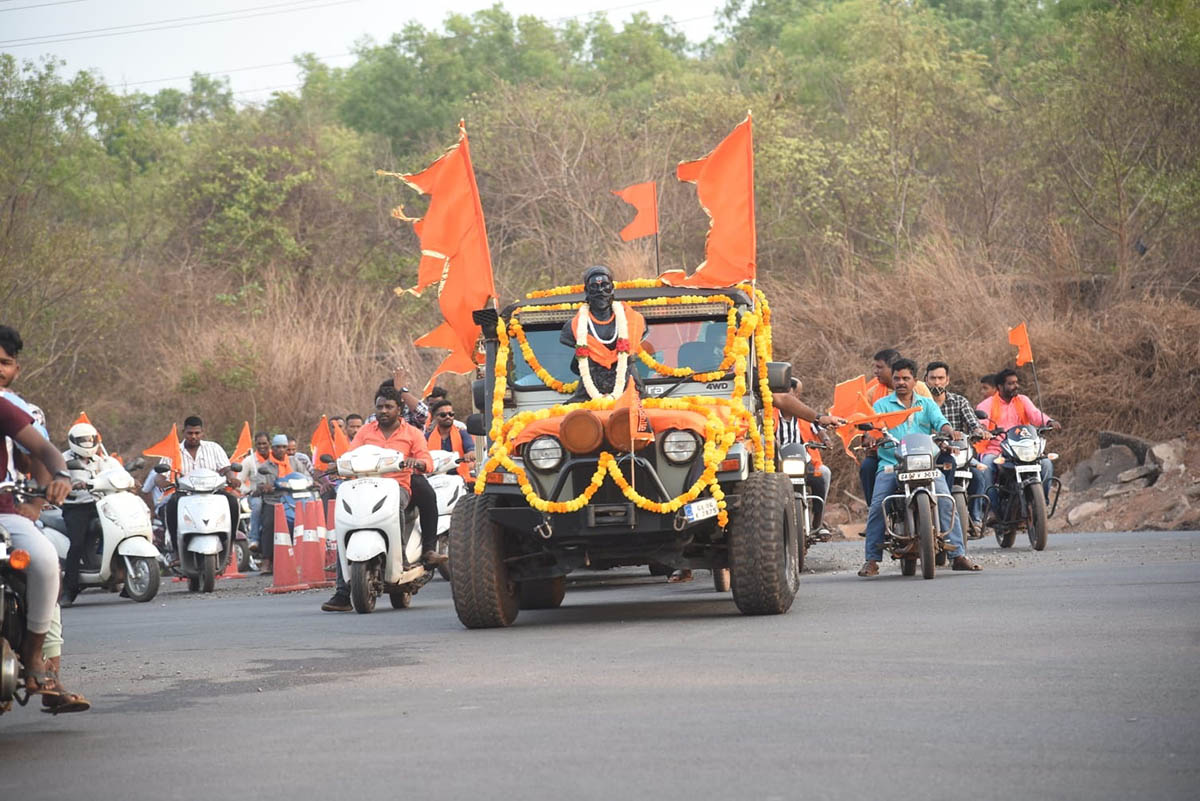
[(84, 439)]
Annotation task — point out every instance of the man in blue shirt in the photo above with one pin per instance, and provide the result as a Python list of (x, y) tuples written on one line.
[(928, 420)]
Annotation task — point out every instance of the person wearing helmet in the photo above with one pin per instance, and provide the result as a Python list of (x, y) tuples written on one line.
[(85, 460)]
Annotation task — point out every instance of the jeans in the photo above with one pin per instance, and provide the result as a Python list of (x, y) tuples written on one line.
[(254, 535), (975, 487), (866, 476), (989, 477), (41, 576), (885, 485), (78, 517)]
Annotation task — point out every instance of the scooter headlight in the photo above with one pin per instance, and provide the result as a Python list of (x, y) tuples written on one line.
[(680, 446), (919, 461), (544, 453)]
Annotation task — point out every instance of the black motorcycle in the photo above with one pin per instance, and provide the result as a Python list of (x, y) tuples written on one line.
[(12, 610), (1018, 486)]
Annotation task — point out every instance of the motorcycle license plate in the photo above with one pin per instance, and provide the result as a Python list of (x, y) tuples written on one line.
[(302, 495), (918, 475), (962, 473), (700, 510)]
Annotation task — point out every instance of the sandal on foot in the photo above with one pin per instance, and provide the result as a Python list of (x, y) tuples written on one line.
[(869, 568), (963, 563), (65, 702), (43, 683), (680, 576)]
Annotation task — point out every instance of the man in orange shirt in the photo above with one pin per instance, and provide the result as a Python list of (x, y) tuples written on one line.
[(388, 430)]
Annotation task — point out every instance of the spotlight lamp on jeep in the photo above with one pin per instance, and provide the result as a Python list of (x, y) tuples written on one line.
[(680, 447), (544, 453)]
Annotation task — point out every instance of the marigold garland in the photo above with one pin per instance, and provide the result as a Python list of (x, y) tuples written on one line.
[(719, 434)]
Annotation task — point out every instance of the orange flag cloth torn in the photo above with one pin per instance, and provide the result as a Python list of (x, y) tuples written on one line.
[(644, 198), (724, 182), (454, 253), (168, 448), (1019, 337), (241, 451)]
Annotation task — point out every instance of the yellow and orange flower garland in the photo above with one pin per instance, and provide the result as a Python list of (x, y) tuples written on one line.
[(719, 434)]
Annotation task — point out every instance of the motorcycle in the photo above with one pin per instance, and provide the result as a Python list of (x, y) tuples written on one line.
[(12, 614), (797, 463), (1018, 486), (118, 549), (379, 546), (206, 531), (911, 514), (246, 561), (961, 461)]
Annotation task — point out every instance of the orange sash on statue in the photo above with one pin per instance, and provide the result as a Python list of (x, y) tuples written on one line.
[(605, 355)]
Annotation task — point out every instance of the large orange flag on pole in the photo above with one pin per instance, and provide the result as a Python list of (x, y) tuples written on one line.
[(724, 182), (454, 253), (244, 444), (1019, 337), (168, 448), (644, 198)]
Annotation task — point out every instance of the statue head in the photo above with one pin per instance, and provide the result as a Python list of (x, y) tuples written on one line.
[(598, 288)]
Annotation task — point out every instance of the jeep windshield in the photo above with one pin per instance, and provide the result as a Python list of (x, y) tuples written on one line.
[(698, 344)]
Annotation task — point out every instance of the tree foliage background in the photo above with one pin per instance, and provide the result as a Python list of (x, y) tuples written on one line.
[(927, 174)]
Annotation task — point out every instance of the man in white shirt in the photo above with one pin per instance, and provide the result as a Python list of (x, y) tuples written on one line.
[(196, 453)]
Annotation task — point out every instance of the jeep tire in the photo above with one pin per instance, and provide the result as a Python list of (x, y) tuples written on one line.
[(764, 546), (484, 596)]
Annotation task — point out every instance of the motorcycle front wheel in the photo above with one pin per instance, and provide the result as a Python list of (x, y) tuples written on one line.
[(208, 572), (1036, 523), (924, 523)]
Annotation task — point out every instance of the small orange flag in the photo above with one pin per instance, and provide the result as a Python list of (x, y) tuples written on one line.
[(1019, 337), (724, 182), (644, 198), (454, 253), (321, 442), (630, 403), (82, 418), (245, 444), (341, 443), (168, 448)]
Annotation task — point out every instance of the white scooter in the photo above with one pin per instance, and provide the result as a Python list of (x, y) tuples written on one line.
[(206, 529), (379, 546), (119, 545)]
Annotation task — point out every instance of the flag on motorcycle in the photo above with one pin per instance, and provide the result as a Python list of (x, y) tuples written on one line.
[(850, 402), (644, 198), (454, 254), (168, 448), (1019, 337), (241, 451), (724, 182)]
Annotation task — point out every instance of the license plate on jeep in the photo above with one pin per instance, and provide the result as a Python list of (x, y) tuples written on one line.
[(918, 475), (700, 510)]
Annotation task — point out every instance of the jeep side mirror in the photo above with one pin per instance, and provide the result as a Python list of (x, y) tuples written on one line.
[(475, 425), (779, 376), (477, 394)]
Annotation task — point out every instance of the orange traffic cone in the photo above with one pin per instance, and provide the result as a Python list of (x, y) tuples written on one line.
[(312, 546), (285, 565)]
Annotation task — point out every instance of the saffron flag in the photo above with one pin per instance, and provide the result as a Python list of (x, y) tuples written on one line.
[(341, 443), (644, 198), (168, 448), (454, 254), (850, 402), (322, 442), (244, 444), (724, 182), (630, 405), (82, 418), (1019, 337)]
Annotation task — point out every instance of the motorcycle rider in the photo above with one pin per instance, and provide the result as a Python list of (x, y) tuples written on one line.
[(928, 420), (958, 412), (799, 422), (278, 464), (879, 386), (445, 435), (389, 430), (196, 453), (1008, 408), (258, 456), (79, 509), (10, 368), (41, 575)]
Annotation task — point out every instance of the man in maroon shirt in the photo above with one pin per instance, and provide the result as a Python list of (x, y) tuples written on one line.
[(41, 575)]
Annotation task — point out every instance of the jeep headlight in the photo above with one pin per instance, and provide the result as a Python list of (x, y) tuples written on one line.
[(919, 461), (680, 446), (544, 453), (794, 466)]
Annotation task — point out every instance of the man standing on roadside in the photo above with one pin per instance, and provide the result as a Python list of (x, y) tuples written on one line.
[(928, 420)]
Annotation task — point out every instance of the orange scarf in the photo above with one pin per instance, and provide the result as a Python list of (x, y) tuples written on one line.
[(602, 354), (997, 403), (456, 444)]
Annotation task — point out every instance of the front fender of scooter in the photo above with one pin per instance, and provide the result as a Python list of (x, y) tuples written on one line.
[(138, 546), (204, 544), (365, 545)]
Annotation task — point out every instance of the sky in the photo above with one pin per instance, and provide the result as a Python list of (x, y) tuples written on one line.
[(143, 46)]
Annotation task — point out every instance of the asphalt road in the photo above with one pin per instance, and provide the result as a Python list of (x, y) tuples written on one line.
[(1067, 674)]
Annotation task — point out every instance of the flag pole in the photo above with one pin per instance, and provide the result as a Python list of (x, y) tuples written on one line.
[(1037, 387), (657, 268)]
